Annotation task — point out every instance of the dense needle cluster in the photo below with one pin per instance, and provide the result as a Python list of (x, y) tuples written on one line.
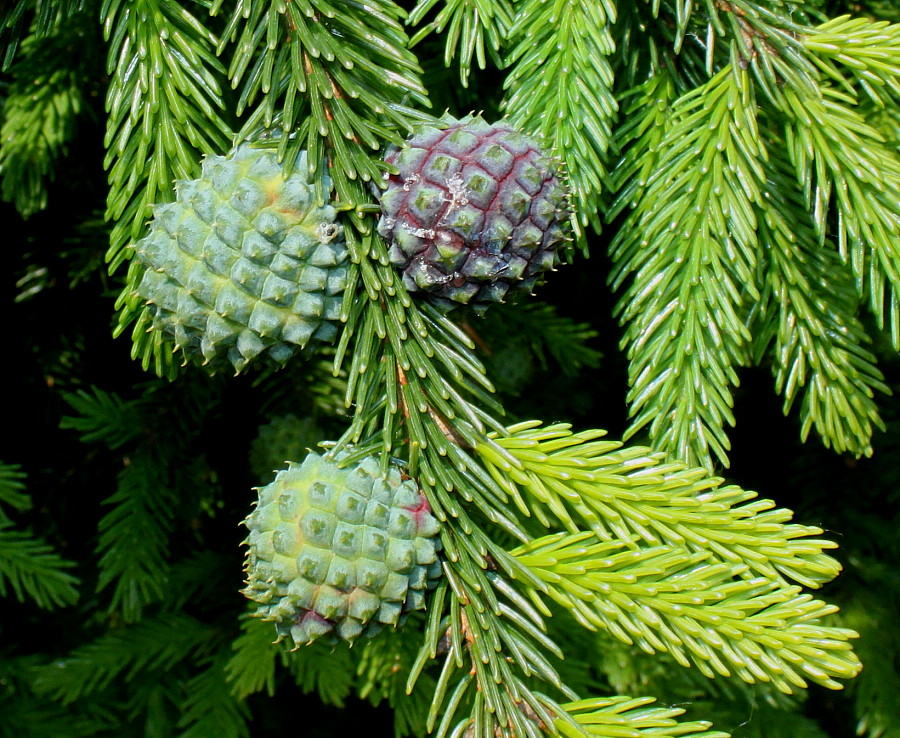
[(742, 160)]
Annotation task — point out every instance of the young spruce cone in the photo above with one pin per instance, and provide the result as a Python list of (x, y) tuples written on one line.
[(244, 261), (339, 552), (476, 209)]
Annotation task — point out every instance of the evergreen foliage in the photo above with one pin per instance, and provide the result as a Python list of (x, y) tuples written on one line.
[(30, 569), (42, 105), (162, 112), (735, 178)]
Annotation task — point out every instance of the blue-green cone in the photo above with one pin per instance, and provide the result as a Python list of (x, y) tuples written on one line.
[(339, 552), (244, 262)]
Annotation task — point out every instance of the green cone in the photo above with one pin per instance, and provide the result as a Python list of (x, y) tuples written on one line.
[(244, 262), (339, 552)]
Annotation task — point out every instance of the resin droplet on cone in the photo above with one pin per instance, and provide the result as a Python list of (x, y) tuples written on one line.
[(244, 262), (476, 210), (339, 552)]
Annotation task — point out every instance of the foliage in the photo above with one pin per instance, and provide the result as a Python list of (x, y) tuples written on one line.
[(735, 180), (162, 108), (30, 569), (41, 110), (690, 303)]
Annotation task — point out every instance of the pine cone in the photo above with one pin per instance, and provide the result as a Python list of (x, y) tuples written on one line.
[(339, 552), (244, 261), (476, 209)]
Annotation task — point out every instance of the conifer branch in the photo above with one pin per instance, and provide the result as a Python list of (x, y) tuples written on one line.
[(12, 28), (820, 345), (40, 17), (382, 672), (487, 618), (251, 668), (410, 375), (338, 82), (631, 670), (767, 43), (770, 42), (869, 49), (713, 616), (689, 249), (326, 672), (40, 113), (842, 159), (320, 669), (638, 139), (154, 643), (757, 197), (547, 334), (560, 87), (471, 24), (612, 717), (634, 494), (831, 145), (158, 472), (30, 569), (210, 708), (12, 490), (163, 108), (103, 417), (25, 715), (134, 537)]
